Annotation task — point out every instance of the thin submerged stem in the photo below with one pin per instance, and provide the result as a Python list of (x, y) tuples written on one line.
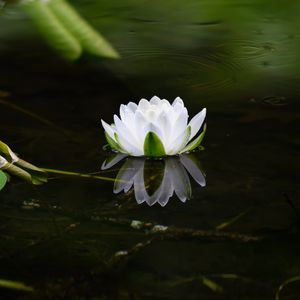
[(69, 173)]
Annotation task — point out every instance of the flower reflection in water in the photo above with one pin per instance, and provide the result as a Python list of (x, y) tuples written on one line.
[(156, 180)]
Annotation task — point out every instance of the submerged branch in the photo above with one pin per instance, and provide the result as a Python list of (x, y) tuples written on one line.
[(171, 232)]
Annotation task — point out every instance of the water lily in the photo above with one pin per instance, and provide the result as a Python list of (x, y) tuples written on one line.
[(155, 128), (156, 181)]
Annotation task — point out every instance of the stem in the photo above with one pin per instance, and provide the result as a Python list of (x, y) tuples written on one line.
[(80, 175)]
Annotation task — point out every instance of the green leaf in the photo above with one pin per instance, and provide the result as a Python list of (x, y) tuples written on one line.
[(153, 145), (196, 142), (55, 33), (3, 180), (91, 40)]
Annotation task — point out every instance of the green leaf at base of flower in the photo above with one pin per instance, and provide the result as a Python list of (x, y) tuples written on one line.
[(114, 143), (196, 142), (153, 145)]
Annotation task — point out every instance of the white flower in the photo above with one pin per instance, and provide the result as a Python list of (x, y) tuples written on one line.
[(154, 128), (172, 178)]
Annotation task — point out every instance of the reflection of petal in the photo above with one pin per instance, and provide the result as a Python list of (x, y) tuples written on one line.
[(167, 190), (161, 195), (140, 192), (112, 160), (180, 179), (124, 179), (152, 186), (193, 169)]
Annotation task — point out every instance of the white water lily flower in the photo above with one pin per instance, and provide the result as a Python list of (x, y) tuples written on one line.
[(154, 128)]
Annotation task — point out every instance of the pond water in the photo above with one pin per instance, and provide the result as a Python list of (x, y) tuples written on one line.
[(231, 231)]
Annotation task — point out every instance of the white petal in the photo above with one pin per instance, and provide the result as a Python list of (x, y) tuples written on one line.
[(123, 114), (180, 123), (177, 101), (127, 117), (126, 139), (165, 104), (152, 127), (197, 122), (140, 124), (109, 130), (143, 105), (179, 143), (155, 100), (178, 131), (164, 124), (132, 106)]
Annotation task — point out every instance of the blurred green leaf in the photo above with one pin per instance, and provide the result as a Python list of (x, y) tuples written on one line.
[(91, 40), (15, 285), (53, 31), (211, 285)]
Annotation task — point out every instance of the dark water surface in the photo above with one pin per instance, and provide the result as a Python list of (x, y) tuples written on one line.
[(238, 235)]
